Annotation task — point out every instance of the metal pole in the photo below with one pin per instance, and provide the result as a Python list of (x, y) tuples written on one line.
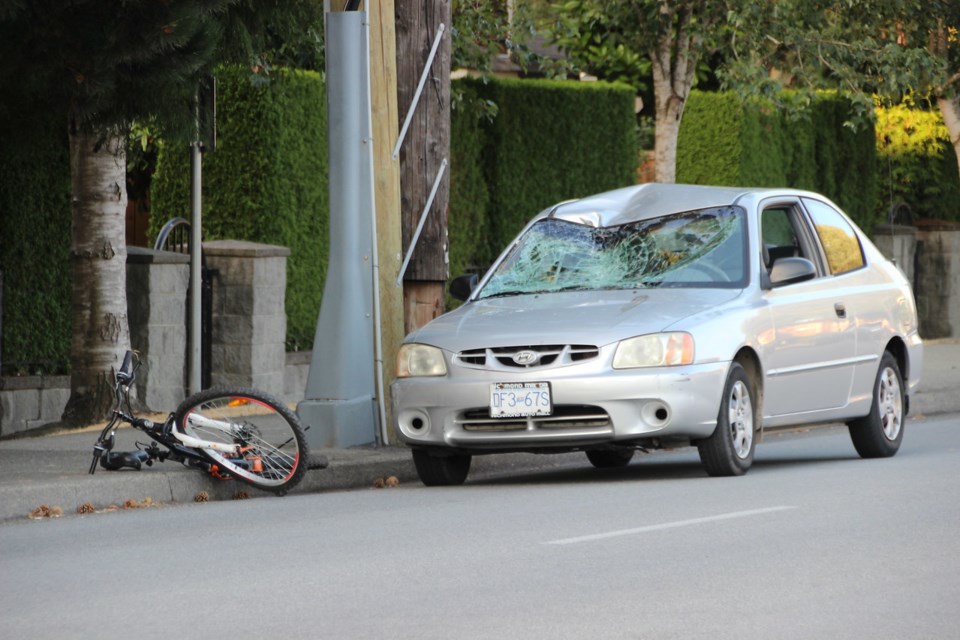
[(340, 392), (196, 156)]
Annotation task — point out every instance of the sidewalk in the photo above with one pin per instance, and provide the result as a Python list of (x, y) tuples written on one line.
[(52, 469)]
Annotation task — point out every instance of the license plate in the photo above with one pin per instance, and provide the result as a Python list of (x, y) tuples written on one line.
[(520, 399)]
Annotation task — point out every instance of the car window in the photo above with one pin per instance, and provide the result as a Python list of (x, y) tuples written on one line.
[(840, 243), (779, 236), (696, 248)]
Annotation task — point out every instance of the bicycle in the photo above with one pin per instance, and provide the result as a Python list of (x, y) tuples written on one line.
[(228, 432)]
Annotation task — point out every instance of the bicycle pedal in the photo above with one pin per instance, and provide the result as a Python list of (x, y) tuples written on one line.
[(317, 461)]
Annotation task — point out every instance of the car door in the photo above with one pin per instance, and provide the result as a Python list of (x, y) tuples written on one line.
[(809, 356)]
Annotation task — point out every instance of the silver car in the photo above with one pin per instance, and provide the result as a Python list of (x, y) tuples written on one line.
[(661, 316)]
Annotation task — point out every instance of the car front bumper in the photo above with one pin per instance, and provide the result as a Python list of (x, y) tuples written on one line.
[(589, 408)]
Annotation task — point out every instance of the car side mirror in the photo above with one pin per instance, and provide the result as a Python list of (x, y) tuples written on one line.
[(791, 271), (462, 286)]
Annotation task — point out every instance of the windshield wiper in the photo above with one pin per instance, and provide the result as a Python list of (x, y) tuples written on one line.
[(508, 292)]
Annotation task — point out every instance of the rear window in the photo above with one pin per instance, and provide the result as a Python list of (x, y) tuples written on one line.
[(840, 242)]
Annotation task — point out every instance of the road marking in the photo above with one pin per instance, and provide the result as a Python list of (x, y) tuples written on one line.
[(668, 525)]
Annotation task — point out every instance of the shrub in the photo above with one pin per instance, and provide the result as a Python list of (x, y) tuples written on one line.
[(725, 141), (916, 163)]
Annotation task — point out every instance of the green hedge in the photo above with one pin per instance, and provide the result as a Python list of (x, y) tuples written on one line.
[(552, 141), (725, 141), (917, 164), (266, 182), (35, 246), (468, 215)]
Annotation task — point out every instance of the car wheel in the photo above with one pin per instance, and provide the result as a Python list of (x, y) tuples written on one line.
[(879, 433), (440, 470), (729, 451), (610, 458)]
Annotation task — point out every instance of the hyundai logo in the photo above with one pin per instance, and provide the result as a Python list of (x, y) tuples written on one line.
[(526, 357)]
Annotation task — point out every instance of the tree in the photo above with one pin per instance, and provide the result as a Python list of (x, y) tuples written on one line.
[(865, 48), (103, 66)]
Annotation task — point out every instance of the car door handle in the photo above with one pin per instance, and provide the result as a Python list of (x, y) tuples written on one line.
[(840, 309)]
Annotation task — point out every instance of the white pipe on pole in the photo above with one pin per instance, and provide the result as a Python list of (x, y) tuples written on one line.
[(423, 219), (416, 95), (383, 433)]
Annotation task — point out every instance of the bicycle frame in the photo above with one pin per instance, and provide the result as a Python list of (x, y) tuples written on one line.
[(181, 447)]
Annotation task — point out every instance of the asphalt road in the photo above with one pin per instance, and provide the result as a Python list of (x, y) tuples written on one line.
[(812, 543)]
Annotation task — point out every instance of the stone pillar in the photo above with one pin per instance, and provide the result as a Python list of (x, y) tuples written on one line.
[(937, 285), (157, 284), (249, 323), (897, 242)]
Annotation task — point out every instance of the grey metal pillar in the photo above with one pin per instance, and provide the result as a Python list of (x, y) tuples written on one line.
[(339, 404)]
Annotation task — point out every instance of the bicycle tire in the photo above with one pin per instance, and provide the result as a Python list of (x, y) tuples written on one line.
[(273, 449)]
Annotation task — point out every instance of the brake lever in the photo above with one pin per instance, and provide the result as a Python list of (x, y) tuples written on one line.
[(97, 452), (104, 445)]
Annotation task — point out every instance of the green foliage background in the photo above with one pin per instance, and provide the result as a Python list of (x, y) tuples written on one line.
[(266, 182), (35, 246), (916, 163), (725, 141), (551, 141), (468, 211)]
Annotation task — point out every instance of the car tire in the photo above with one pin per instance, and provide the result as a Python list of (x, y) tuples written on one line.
[(729, 451), (441, 470), (879, 433), (610, 458)]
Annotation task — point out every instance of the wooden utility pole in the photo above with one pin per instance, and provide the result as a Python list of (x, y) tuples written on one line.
[(386, 173), (426, 146)]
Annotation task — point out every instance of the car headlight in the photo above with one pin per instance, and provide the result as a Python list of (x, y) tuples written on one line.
[(420, 360), (654, 350)]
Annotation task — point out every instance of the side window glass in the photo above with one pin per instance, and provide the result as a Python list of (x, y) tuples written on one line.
[(778, 236), (839, 240)]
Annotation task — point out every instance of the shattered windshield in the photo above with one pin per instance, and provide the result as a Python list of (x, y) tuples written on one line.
[(703, 248)]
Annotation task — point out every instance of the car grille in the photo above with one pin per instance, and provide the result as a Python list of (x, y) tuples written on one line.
[(563, 417), (527, 357)]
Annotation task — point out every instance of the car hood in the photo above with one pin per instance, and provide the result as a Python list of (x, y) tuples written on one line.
[(575, 317)]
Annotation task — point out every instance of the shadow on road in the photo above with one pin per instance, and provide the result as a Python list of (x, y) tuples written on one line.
[(662, 466)]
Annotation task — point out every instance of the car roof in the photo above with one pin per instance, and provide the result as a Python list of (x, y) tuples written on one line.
[(651, 200)]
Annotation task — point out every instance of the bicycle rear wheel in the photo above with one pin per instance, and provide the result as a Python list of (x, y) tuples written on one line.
[(271, 450)]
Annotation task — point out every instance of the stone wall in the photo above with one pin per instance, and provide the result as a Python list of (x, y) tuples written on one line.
[(898, 242), (929, 255), (28, 402), (937, 282), (248, 333)]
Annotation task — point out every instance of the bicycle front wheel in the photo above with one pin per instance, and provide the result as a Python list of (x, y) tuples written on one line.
[(253, 437)]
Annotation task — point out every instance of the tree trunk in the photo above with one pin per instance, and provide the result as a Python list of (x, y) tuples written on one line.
[(101, 335), (674, 63), (426, 146), (950, 109), (669, 112)]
